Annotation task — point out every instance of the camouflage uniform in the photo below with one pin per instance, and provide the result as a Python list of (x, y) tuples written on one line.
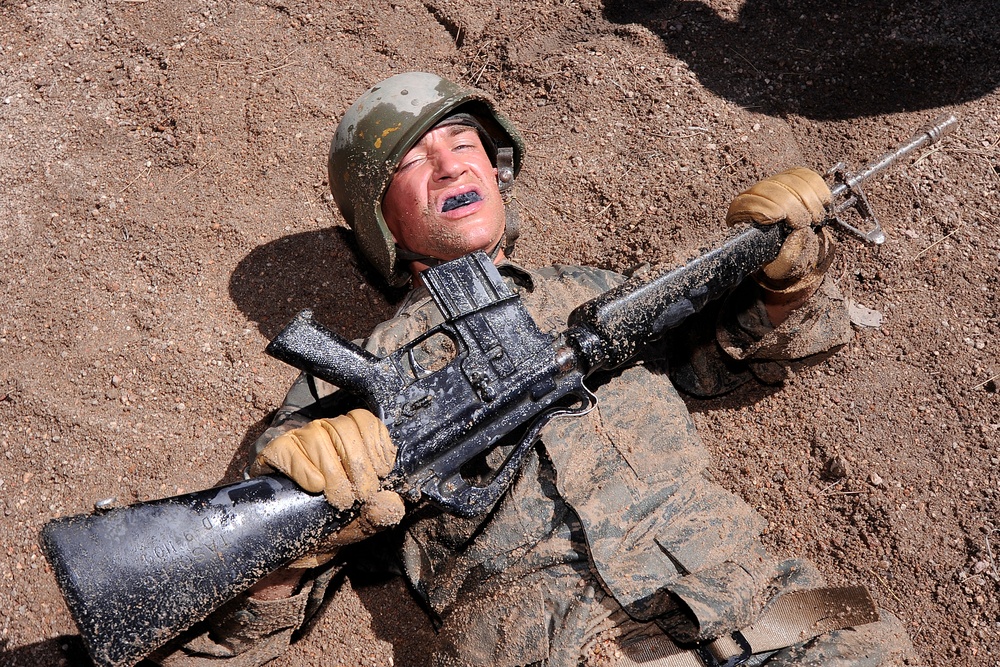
[(613, 544)]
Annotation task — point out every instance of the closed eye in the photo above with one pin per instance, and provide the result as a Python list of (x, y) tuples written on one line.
[(410, 161)]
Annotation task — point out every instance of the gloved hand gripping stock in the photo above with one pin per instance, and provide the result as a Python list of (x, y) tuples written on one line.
[(135, 577), (345, 458)]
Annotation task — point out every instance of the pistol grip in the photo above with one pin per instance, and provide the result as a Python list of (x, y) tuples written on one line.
[(450, 489)]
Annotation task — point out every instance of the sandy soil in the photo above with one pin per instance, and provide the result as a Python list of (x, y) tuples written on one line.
[(165, 211)]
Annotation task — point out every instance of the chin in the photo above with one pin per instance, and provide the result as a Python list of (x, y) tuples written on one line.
[(488, 245), (484, 242)]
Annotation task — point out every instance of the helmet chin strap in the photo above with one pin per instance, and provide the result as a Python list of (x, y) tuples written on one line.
[(505, 180)]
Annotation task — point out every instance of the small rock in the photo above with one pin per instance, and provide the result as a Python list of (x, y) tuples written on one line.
[(874, 479), (835, 468), (864, 317)]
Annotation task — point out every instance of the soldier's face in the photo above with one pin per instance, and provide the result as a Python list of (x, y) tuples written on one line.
[(444, 201)]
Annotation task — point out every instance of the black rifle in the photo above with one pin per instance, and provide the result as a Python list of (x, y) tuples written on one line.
[(136, 577)]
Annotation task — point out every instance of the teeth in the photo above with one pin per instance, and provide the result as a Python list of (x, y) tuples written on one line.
[(458, 201)]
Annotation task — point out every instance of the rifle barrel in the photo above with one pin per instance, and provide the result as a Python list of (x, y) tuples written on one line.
[(609, 329), (925, 136)]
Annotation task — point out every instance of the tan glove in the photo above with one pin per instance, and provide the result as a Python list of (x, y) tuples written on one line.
[(343, 457), (799, 197)]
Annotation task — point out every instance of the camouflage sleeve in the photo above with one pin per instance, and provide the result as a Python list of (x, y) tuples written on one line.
[(820, 324), (734, 341), (588, 278), (299, 396)]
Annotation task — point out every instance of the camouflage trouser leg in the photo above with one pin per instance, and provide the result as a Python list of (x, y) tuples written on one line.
[(246, 632), (562, 617), (879, 644), (883, 643), (543, 619)]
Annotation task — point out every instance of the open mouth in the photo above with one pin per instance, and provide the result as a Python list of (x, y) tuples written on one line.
[(458, 201)]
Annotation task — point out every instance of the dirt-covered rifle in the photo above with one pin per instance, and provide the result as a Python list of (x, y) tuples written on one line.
[(135, 577)]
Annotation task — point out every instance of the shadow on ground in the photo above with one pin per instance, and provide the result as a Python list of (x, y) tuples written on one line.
[(62, 651), (831, 59), (318, 270)]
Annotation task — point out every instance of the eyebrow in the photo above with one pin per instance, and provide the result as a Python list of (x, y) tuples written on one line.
[(454, 130)]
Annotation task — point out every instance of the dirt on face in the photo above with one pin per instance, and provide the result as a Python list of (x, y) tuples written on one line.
[(165, 212)]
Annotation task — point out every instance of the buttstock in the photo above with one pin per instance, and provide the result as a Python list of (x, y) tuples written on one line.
[(136, 577)]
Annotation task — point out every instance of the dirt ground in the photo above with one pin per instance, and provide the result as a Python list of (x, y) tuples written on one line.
[(165, 212)]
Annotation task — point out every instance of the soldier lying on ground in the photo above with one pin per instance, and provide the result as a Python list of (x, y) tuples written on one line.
[(612, 547)]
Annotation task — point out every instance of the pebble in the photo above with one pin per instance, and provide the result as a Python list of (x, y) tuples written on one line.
[(864, 317), (835, 468)]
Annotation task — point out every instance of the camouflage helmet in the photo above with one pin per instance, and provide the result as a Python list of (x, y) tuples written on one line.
[(375, 133)]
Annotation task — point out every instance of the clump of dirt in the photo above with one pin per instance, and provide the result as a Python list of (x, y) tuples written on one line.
[(166, 212)]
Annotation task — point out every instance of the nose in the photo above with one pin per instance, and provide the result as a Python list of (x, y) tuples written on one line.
[(447, 165)]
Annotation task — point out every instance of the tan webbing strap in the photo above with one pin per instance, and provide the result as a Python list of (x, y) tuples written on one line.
[(801, 615), (789, 619), (656, 651)]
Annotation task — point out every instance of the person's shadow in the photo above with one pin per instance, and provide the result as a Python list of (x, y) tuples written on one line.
[(324, 271), (320, 270), (65, 650), (831, 59)]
